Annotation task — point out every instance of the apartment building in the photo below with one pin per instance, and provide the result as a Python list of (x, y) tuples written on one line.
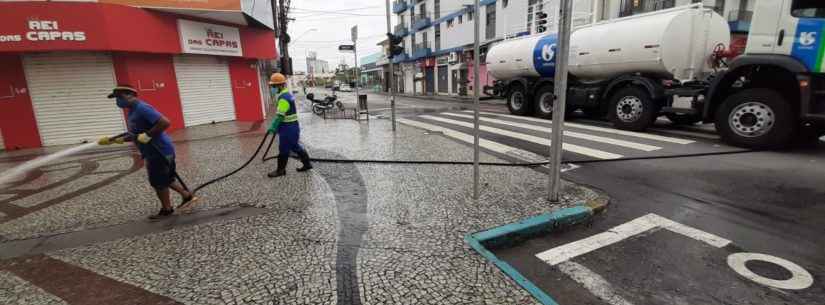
[(438, 34)]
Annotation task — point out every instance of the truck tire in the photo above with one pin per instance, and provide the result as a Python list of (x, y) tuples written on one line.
[(545, 101), (683, 119), (632, 108), (756, 118), (518, 101)]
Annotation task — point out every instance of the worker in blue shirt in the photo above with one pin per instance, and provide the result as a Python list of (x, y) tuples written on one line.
[(286, 126), (146, 128)]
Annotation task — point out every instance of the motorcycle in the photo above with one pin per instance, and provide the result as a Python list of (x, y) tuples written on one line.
[(321, 106)]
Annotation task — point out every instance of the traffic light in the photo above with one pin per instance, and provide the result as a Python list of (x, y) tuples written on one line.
[(541, 22), (394, 48)]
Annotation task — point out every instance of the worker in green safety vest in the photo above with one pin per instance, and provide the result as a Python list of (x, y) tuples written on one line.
[(286, 126)]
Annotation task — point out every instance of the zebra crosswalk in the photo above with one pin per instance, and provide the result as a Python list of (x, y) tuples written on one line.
[(510, 134)]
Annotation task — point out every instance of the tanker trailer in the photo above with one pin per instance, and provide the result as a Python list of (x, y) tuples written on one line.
[(631, 69)]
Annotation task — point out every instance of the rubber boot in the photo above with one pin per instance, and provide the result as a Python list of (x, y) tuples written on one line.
[(281, 170), (305, 160)]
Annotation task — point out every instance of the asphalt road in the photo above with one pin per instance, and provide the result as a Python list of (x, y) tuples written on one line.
[(766, 202), (762, 202)]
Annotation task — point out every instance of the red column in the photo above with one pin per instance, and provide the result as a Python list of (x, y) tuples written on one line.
[(17, 121), (153, 75), (246, 89)]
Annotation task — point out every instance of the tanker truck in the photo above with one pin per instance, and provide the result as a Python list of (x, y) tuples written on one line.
[(675, 63)]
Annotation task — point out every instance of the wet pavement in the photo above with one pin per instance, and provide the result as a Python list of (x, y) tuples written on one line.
[(763, 203), (342, 233)]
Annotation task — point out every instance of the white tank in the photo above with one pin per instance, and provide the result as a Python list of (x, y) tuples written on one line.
[(675, 43)]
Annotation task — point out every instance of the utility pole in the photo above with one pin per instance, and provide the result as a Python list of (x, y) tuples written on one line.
[(354, 36), (392, 73), (562, 55), (283, 37), (476, 85)]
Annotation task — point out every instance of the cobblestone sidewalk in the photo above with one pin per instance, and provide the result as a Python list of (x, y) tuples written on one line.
[(340, 234)]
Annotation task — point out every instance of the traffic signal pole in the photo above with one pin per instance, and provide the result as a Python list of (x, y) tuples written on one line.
[(476, 85), (392, 73), (562, 56)]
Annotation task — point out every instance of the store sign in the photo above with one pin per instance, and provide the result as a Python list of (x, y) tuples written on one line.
[(442, 60), (212, 39), (43, 30), (220, 5)]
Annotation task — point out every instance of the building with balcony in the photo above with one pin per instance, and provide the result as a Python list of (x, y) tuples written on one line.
[(196, 62), (438, 38), (439, 33), (399, 6), (421, 21)]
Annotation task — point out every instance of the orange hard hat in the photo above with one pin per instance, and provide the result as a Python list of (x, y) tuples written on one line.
[(277, 79)]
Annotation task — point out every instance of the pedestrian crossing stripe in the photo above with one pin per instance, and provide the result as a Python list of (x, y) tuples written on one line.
[(529, 138), (596, 128), (486, 144), (572, 134)]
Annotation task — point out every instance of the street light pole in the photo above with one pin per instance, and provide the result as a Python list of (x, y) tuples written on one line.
[(302, 34), (562, 55), (476, 84), (392, 73)]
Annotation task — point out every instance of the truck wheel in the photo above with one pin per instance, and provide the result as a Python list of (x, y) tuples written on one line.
[(545, 99), (683, 119), (517, 101), (632, 108), (756, 118)]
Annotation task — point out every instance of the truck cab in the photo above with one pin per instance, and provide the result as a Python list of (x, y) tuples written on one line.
[(775, 92)]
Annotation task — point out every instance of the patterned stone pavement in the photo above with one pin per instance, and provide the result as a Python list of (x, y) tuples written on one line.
[(341, 234)]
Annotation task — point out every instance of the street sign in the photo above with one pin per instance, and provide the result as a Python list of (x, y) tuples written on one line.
[(354, 33), (346, 47)]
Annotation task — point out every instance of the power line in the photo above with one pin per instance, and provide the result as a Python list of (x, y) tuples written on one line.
[(342, 40), (335, 11), (336, 18)]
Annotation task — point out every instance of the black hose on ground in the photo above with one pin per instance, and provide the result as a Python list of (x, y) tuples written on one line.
[(257, 150), (207, 183), (529, 164), (264, 158)]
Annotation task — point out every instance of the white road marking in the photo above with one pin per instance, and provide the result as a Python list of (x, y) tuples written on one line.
[(686, 133), (567, 167), (487, 144), (572, 134), (634, 227), (568, 147), (800, 278), (593, 282), (600, 129), (691, 232)]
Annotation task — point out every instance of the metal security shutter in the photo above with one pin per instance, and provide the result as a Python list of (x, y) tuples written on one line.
[(68, 92), (205, 89)]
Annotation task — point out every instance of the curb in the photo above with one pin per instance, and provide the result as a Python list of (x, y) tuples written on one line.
[(483, 100), (509, 234)]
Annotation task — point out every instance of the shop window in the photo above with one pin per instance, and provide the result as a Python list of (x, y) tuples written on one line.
[(808, 8)]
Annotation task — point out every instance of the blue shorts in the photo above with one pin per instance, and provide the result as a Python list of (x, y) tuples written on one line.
[(161, 172)]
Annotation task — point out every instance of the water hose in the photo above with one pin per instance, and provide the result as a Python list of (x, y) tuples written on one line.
[(257, 150), (264, 158), (207, 183)]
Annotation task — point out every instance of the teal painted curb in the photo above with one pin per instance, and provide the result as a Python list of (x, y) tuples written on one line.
[(508, 234)]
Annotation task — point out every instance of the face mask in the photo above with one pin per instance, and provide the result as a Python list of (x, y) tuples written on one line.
[(121, 102), (273, 90)]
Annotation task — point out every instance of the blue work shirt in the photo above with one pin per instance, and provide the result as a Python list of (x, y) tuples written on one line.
[(142, 117)]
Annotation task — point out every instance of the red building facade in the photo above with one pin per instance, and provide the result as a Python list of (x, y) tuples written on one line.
[(59, 59)]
